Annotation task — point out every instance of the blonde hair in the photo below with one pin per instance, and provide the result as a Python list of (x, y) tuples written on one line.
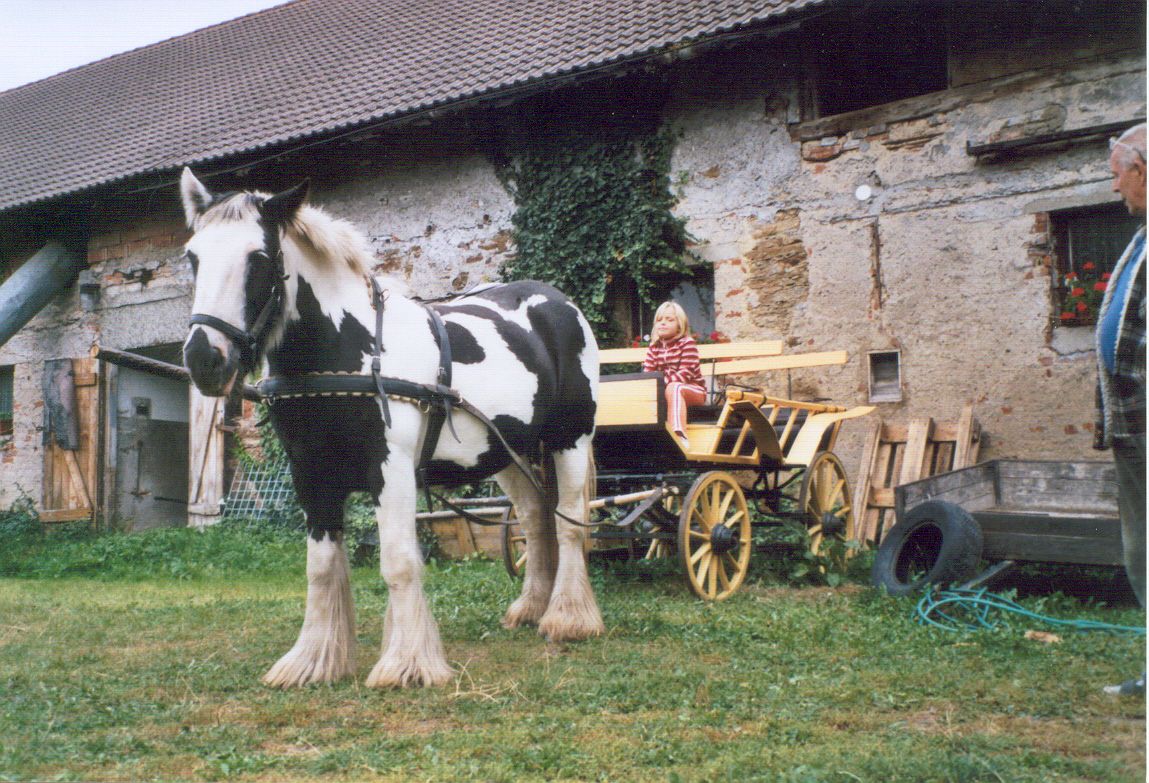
[(675, 309)]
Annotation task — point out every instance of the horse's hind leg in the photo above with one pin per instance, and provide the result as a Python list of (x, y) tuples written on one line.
[(542, 549), (412, 649), (572, 612), (325, 650)]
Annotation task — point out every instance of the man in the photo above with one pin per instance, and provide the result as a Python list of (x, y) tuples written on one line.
[(1121, 371)]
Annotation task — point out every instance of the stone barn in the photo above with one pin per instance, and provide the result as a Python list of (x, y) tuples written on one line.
[(915, 183)]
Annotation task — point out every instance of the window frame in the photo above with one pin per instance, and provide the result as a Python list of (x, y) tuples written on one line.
[(1061, 224)]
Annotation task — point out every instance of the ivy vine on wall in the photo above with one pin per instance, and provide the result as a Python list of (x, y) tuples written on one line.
[(593, 211)]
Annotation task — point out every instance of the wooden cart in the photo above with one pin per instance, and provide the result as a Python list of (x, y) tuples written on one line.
[(747, 449), (1001, 511)]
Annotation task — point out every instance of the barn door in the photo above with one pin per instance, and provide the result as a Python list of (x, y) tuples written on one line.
[(71, 422), (205, 458)]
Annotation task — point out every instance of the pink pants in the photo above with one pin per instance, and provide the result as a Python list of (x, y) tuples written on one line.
[(679, 396)]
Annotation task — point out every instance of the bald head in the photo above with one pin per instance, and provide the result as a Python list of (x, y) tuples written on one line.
[(1127, 163)]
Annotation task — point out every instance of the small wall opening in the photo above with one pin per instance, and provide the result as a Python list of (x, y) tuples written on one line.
[(885, 376)]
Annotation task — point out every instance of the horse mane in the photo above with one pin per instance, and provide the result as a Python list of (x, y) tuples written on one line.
[(323, 237)]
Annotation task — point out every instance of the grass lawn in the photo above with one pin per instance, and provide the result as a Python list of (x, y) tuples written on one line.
[(156, 677)]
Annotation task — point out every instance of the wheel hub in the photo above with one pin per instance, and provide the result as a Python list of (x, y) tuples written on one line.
[(723, 539), (833, 525)]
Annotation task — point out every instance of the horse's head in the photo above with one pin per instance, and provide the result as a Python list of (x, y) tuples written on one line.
[(239, 278)]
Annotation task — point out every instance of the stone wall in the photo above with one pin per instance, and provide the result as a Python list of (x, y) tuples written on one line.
[(941, 256)]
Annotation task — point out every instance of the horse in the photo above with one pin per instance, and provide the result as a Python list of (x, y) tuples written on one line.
[(364, 377)]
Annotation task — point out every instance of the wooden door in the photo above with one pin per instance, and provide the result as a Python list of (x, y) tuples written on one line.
[(205, 458), (71, 438)]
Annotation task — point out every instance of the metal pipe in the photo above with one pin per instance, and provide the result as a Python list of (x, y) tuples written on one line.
[(51, 271)]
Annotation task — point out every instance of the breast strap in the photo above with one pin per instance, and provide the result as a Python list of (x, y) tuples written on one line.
[(438, 400)]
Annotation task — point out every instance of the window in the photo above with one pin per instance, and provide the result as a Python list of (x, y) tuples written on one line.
[(1087, 243), (876, 55), (885, 376), (695, 294), (7, 377)]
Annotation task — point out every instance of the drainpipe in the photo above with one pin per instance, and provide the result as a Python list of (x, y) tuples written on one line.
[(51, 271)]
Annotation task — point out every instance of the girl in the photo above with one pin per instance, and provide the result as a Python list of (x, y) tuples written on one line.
[(674, 353)]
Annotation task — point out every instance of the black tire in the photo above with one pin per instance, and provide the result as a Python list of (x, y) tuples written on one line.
[(936, 543)]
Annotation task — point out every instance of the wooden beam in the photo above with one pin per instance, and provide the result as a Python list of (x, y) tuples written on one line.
[(706, 352), (788, 362)]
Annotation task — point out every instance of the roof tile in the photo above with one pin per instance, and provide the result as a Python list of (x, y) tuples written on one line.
[(314, 66)]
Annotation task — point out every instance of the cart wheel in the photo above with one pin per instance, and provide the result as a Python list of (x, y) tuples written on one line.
[(714, 539), (514, 545), (662, 547), (825, 502)]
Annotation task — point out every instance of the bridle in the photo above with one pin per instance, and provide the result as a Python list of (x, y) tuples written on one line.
[(248, 343)]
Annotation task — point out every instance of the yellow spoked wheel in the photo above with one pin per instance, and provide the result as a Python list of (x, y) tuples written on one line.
[(825, 503), (664, 547), (714, 536), (514, 545)]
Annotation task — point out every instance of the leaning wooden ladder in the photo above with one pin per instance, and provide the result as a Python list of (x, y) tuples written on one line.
[(898, 454)]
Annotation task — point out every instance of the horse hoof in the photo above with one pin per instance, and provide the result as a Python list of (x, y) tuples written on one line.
[(409, 674)]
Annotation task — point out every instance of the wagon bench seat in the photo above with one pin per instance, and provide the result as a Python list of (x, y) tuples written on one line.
[(746, 429)]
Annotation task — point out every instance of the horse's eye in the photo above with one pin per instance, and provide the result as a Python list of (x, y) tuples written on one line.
[(193, 259), (258, 255)]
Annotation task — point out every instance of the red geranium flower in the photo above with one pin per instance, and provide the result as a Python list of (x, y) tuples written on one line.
[(1106, 275), (1071, 276), (1067, 316), (1089, 265), (1082, 307), (1100, 286), (1077, 292)]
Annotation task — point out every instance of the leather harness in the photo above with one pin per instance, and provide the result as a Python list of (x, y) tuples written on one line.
[(437, 400)]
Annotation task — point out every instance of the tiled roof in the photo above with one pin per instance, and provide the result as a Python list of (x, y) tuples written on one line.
[(316, 66)]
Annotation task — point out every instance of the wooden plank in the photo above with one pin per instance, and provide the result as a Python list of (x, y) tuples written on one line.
[(913, 461), (873, 480), (771, 363), (69, 483), (65, 515), (881, 497), (974, 486), (706, 351), (964, 439), (635, 402), (1055, 538)]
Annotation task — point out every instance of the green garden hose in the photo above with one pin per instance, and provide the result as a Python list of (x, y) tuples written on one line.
[(958, 609)]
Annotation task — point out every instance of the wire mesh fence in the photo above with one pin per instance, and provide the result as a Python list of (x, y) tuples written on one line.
[(263, 492)]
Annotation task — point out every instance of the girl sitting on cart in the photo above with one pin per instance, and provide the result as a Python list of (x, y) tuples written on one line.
[(674, 353)]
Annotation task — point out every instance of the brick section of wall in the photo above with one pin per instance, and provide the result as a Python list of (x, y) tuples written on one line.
[(147, 234)]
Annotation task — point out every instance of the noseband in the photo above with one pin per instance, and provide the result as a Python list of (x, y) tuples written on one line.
[(248, 343)]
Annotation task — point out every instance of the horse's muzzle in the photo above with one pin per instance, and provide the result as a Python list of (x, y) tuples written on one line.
[(212, 370)]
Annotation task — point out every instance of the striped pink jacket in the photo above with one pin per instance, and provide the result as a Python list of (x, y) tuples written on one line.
[(677, 360)]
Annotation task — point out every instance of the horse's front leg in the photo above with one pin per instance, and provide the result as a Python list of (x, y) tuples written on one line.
[(325, 650), (412, 650)]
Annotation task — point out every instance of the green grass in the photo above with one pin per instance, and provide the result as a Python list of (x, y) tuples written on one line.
[(148, 671)]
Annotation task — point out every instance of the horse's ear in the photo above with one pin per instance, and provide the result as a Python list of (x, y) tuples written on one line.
[(281, 207), (195, 196)]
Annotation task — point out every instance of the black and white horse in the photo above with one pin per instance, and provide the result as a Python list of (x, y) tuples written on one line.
[(281, 281)]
